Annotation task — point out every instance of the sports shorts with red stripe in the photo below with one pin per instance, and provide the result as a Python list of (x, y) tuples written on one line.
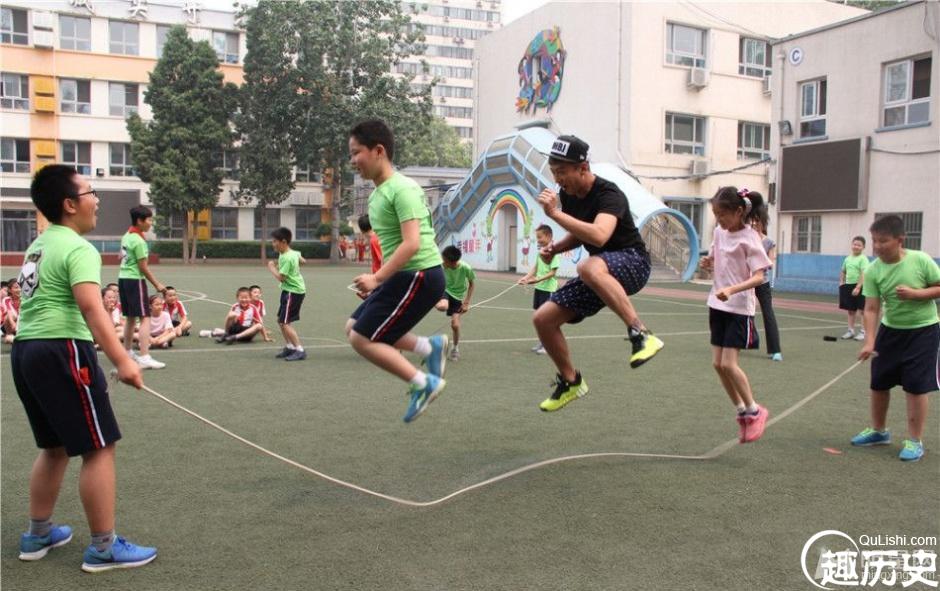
[(65, 394), (396, 306)]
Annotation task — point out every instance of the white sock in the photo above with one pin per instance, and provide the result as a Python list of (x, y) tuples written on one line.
[(291, 347), (420, 380), (741, 409), (298, 348), (752, 409), (422, 346)]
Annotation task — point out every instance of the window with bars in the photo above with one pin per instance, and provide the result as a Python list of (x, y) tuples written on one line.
[(753, 141), (913, 226), (77, 154), (456, 112), (226, 46), (74, 32), (75, 96), (121, 163), (123, 38), (907, 92), (14, 26), (224, 223), (813, 108), (272, 222), (692, 208), (685, 134), (17, 229), (807, 233), (686, 46), (14, 91), (162, 32), (754, 58), (230, 164), (307, 220), (172, 226), (122, 99), (14, 155)]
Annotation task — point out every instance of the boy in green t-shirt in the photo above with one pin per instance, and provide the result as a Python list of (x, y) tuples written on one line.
[(58, 379), (458, 289), (906, 351), (542, 275), (410, 281), (132, 289), (293, 290), (851, 279)]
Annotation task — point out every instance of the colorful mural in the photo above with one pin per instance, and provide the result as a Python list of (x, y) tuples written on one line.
[(540, 72)]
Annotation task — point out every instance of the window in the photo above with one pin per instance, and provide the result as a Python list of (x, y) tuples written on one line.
[(230, 164), (75, 95), (813, 108), (753, 141), (913, 227), (273, 221), (433, 70), (464, 132), (172, 226), (162, 32), (686, 46), (224, 223), (754, 58), (122, 99), (14, 155), (123, 37), (226, 46), (13, 27), (302, 174), (18, 229), (14, 91), (692, 208), (457, 112), (77, 154), (121, 163), (307, 221), (685, 134), (74, 32), (907, 92), (807, 233), (464, 53)]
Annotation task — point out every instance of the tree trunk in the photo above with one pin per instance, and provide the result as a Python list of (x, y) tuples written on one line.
[(187, 228), (264, 234), (337, 193), (192, 252)]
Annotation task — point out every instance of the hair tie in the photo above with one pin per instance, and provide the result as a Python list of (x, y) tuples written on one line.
[(747, 205), (744, 192)]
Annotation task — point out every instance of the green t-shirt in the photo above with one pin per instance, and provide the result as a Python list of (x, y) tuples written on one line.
[(58, 259), (397, 200), (854, 266), (916, 270), (542, 269), (458, 279), (288, 265), (133, 249)]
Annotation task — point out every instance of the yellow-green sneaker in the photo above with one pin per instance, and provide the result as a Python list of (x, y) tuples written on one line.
[(645, 346), (564, 393)]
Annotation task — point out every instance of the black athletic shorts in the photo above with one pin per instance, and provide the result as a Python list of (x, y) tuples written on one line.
[(732, 331), (289, 310), (630, 267), (396, 306), (540, 297), (65, 394), (453, 304), (850, 302), (135, 301), (909, 358)]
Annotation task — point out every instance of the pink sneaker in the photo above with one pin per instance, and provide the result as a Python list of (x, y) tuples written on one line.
[(742, 427), (756, 424)]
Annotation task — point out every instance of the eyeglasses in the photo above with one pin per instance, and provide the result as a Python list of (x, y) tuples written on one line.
[(92, 192)]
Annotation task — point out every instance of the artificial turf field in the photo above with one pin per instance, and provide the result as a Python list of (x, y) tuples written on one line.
[(225, 516)]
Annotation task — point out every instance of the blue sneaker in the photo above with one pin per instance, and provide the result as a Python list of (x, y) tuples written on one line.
[(871, 437), (912, 451), (422, 397), (437, 360), (35, 547), (122, 554)]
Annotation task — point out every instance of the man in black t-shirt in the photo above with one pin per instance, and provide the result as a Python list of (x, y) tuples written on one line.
[(596, 214)]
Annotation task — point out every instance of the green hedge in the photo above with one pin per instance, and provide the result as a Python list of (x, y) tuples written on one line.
[(236, 249)]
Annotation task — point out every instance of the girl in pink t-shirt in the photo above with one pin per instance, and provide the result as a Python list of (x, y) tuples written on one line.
[(737, 259), (161, 324)]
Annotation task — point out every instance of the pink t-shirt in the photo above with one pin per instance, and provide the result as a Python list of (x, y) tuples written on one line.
[(738, 255), (159, 324)]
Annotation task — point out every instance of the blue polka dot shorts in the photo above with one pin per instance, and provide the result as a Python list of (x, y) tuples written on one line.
[(630, 267)]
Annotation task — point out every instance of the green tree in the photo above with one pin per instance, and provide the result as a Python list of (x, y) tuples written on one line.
[(178, 152), (869, 4), (266, 101), (439, 146)]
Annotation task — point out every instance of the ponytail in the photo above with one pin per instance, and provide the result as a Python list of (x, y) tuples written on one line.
[(752, 202)]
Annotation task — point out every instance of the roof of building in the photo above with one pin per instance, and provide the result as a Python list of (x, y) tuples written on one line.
[(877, 13)]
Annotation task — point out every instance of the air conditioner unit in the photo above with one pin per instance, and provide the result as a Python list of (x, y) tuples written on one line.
[(768, 84), (43, 39), (45, 104), (446, 19), (443, 99), (43, 19), (699, 167), (698, 78)]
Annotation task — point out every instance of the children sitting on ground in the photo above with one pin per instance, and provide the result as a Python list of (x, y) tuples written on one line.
[(11, 310), (109, 297), (459, 278), (181, 322), (542, 275), (259, 307), (242, 322), (161, 325), (851, 280)]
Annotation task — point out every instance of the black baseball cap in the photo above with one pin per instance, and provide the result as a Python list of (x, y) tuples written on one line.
[(569, 148)]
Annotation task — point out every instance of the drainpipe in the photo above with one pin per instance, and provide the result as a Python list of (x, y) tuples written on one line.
[(778, 232)]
